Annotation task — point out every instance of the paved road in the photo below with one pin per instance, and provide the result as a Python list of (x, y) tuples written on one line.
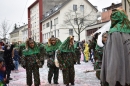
[(81, 79)]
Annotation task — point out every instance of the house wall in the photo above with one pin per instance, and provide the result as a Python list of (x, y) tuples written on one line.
[(126, 6), (34, 22), (64, 29)]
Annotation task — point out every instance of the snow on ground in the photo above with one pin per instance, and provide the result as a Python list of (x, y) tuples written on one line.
[(81, 78)]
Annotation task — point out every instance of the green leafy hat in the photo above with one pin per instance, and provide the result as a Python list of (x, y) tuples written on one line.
[(120, 22), (65, 46), (50, 47)]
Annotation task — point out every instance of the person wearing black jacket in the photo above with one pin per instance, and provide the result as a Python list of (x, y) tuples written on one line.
[(8, 59)]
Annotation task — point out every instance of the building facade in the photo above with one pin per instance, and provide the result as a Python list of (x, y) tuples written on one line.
[(17, 34), (24, 33), (126, 7), (34, 17), (53, 22), (106, 12)]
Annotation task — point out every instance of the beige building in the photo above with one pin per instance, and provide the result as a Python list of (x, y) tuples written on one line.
[(34, 21), (126, 6), (17, 34), (54, 19)]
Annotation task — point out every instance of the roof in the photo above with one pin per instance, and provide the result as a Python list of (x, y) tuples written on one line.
[(16, 30), (33, 4), (90, 26), (57, 8), (113, 6)]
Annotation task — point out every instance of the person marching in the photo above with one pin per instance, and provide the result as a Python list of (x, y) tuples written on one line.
[(32, 60), (51, 47), (67, 58), (115, 70), (86, 52), (99, 54), (77, 51)]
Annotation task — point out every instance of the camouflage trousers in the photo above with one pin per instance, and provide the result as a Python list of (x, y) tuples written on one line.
[(53, 71), (68, 75), (33, 68)]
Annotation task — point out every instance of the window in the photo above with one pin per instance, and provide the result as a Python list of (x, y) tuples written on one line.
[(70, 31), (47, 25), (57, 33), (82, 21), (51, 25), (81, 8), (74, 7), (75, 20), (43, 27), (55, 21), (89, 32)]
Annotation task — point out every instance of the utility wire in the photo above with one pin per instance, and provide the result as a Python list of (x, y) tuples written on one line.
[(24, 10)]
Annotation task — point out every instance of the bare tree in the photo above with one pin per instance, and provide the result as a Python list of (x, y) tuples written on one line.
[(78, 21), (4, 29)]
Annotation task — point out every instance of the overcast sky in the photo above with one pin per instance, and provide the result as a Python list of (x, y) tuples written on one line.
[(15, 11)]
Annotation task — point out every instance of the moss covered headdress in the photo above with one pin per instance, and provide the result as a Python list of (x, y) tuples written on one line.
[(120, 22), (49, 47), (66, 46), (31, 51)]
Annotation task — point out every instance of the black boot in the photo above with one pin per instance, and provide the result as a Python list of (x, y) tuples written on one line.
[(49, 82), (72, 83), (56, 83), (67, 84)]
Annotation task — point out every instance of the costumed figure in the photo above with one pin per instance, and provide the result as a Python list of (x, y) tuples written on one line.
[(99, 54), (32, 59), (77, 51), (67, 58), (92, 46), (115, 70), (86, 52), (51, 47)]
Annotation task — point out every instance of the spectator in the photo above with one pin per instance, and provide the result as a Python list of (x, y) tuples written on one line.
[(8, 59), (3, 79), (16, 58)]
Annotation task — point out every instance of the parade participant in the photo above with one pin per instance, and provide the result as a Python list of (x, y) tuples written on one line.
[(93, 45), (51, 47), (67, 59), (8, 59), (86, 52), (115, 69), (32, 60), (99, 54), (77, 51)]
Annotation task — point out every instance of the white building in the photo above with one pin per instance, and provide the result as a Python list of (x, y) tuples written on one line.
[(126, 6), (53, 22), (17, 34), (24, 33), (34, 22)]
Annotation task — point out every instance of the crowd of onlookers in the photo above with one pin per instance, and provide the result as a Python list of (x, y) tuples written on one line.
[(9, 60)]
